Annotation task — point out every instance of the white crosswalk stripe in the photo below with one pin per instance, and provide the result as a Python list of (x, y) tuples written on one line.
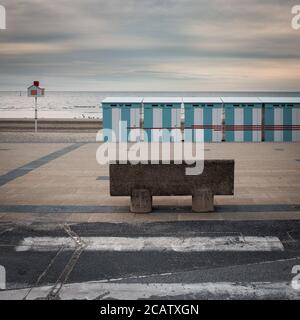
[(177, 244)]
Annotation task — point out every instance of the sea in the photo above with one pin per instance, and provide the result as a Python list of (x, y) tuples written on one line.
[(87, 105)]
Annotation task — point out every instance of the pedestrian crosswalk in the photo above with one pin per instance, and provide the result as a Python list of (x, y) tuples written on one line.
[(151, 282)]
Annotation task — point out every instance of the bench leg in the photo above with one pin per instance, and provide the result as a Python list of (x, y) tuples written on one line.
[(203, 200), (141, 201)]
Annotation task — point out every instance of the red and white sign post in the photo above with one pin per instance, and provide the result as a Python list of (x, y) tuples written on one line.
[(35, 91)]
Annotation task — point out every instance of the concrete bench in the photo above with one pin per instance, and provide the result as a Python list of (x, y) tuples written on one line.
[(143, 181)]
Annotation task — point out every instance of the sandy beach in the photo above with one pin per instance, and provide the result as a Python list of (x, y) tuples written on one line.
[(49, 131), (50, 125)]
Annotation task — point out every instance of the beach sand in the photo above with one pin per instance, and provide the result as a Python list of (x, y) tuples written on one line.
[(50, 125), (48, 137), (49, 131)]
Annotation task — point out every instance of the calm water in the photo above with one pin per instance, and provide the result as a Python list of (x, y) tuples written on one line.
[(81, 105)]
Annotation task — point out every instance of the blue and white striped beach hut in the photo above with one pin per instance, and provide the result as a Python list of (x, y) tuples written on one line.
[(162, 119), (281, 118), (203, 113), (117, 110), (243, 119)]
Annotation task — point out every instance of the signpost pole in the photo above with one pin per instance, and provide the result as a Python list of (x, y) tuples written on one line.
[(35, 91), (36, 116)]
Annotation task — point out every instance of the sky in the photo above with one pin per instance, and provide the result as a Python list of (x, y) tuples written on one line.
[(150, 45)]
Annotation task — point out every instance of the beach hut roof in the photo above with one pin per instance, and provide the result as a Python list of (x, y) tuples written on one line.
[(202, 100), (162, 100), (240, 100), (123, 100), (280, 99)]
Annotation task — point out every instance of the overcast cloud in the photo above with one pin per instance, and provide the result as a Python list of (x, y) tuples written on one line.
[(150, 45)]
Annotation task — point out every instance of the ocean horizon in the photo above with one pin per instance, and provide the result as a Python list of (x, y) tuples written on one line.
[(87, 104)]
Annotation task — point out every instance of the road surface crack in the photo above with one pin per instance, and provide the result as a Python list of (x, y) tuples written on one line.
[(80, 245)]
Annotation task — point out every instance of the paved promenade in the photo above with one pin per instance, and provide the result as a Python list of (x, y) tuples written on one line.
[(60, 181)]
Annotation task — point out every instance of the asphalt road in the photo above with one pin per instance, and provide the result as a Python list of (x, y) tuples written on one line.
[(185, 260)]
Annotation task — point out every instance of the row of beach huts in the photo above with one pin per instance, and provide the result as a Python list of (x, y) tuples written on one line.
[(213, 119)]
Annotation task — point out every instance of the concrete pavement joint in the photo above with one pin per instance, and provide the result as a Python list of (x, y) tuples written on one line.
[(157, 209), (103, 178)]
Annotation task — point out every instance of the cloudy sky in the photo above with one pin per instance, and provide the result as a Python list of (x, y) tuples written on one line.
[(150, 45)]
